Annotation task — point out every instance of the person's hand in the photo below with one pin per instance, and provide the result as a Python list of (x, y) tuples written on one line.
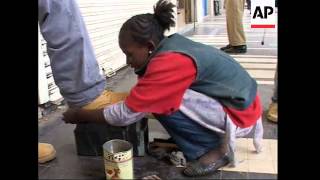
[(71, 116), (76, 116)]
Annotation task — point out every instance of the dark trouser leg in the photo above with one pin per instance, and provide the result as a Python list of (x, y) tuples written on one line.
[(275, 91), (193, 139)]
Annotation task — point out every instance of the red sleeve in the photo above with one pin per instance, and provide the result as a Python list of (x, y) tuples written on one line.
[(161, 89)]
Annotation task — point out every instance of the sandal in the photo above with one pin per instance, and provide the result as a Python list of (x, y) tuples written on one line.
[(197, 169)]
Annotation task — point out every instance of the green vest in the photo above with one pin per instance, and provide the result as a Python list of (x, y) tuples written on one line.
[(218, 74)]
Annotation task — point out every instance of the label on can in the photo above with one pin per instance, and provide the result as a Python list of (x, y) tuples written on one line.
[(118, 165)]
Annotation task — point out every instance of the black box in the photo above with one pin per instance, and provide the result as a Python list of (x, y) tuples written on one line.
[(90, 137)]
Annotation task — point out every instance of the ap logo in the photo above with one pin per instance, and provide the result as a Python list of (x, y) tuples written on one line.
[(263, 14)]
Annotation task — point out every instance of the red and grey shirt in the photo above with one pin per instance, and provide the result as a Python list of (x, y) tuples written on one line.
[(160, 90)]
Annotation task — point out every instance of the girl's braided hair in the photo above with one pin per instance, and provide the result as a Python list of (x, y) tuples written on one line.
[(144, 27)]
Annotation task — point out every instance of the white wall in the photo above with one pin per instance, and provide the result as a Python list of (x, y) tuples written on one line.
[(43, 92), (210, 8), (199, 10), (47, 89)]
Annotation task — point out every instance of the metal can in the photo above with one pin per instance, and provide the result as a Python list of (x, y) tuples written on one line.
[(118, 162)]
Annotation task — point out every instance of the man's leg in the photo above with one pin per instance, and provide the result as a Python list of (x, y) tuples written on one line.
[(73, 62), (74, 65), (234, 16), (249, 4), (273, 108), (226, 6), (236, 36), (275, 92)]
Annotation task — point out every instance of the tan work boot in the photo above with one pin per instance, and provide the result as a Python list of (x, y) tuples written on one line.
[(46, 152), (108, 98), (105, 99), (273, 112)]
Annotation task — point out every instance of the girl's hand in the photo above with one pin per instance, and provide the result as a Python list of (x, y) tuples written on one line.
[(76, 116)]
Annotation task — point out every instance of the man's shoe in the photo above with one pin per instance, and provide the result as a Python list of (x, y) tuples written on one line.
[(46, 152), (236, 49), (273, 112), (226, 47)]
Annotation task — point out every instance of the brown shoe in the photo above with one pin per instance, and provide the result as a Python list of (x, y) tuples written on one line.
[(46, 152), (273, 112)]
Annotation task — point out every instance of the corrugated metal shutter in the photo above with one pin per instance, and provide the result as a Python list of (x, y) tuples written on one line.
[(104, 19), (48, 90)]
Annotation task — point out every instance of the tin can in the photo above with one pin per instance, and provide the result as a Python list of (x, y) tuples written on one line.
[(118, 159)]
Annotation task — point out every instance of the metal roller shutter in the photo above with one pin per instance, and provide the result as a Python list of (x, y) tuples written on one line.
[(104, 19)]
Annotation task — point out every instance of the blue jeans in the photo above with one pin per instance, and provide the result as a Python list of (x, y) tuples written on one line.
[(193, 139)]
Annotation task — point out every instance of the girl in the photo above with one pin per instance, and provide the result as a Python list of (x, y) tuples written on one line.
[(191, 88)]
